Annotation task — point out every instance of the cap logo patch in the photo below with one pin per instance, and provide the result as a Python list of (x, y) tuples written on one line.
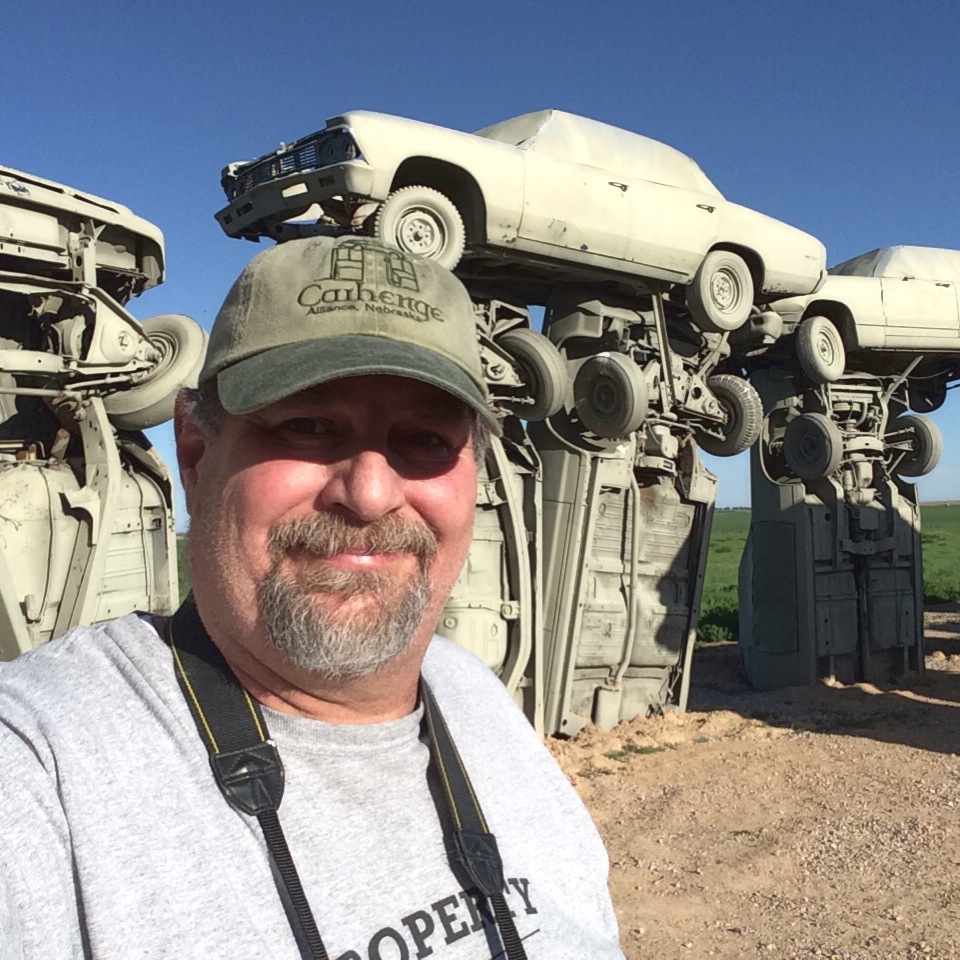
[(366, 277)]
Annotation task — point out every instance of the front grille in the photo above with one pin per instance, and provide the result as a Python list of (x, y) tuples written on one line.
[(300, 157)]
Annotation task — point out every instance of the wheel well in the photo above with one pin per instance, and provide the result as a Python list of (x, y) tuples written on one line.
[(840, 316), (453, 182), (752, 260)]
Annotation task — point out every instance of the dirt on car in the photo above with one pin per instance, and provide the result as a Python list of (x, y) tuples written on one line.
[(817, 821)]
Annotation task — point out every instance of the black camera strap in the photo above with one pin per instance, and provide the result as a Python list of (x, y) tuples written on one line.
[(247, 767)]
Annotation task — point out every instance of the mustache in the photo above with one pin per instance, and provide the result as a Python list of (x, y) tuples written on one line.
[(327, 534)]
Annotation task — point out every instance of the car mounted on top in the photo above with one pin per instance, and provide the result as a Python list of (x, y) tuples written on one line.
[(582, 587), (549, 195), (87, 524), (890, 317)]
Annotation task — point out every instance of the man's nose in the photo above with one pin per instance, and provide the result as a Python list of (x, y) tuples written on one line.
[(366, 486)]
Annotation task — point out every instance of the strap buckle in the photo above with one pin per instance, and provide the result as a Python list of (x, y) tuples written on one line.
[(480, 856), (251, 778)]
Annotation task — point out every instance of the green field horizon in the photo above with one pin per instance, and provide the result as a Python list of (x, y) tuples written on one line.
[(718, 616)]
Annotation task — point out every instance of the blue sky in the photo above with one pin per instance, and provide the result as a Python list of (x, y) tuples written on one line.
[(838, 117)]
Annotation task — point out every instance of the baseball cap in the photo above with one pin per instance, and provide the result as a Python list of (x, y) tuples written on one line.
[(323, 308)]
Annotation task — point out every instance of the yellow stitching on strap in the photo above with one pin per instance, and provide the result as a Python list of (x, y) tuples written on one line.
[(466, 779), (193, 696), (253, 713), (435, 750)]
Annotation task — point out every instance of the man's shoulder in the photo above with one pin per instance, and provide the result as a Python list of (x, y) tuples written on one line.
[(442, 650), (454, 670), (472, 697), (84, 663)]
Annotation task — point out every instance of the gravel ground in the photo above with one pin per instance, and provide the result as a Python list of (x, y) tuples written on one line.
[(812, 822)]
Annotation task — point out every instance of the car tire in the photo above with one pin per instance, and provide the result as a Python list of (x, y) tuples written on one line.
[(611, 395), (926, 441), (422, 222), (820, 350), (744, 412), (542, 370), (181, 343), (925, 396), (720, 296), (813, 446)]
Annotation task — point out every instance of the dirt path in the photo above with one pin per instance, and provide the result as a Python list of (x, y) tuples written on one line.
[(811, 822)]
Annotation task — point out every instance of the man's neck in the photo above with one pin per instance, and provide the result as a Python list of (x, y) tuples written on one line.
[(359, 700)]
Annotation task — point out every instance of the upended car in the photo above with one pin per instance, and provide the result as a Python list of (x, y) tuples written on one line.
[(896, 309), (87, 527), (557, 196)]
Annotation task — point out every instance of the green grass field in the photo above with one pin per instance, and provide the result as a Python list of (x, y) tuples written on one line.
[(718, 613), (718, 619)]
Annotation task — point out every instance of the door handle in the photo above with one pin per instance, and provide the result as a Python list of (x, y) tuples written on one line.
[(622, 186)]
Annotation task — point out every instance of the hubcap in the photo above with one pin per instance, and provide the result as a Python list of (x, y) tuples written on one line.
[(724, 289), (825, 349), (420, 233), (605, 396)]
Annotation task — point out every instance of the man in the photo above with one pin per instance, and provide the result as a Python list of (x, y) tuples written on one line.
[(329, 460)]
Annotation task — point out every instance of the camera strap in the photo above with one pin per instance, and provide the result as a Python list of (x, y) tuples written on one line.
[(249, 772)]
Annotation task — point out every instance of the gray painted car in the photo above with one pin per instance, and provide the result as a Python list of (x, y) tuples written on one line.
[(897, 309), (86, 532), (558, 195)]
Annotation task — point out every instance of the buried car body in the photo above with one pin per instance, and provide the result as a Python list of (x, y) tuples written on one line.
[(544, 189)]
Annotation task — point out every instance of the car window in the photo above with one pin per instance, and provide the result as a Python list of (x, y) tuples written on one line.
[(900, 262), (620, 152)]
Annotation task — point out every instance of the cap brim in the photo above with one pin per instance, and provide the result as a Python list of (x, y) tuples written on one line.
[(265, 378)]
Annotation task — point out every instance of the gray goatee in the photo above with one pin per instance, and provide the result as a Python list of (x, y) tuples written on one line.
[(336, 644)]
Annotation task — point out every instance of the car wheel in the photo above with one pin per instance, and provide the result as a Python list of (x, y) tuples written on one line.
[(423, 222), (542, 370), (181, 343), (743, 410), (813, 446), (611, 395), (721, 293), (925, 396), (820, 350), (926, 442)]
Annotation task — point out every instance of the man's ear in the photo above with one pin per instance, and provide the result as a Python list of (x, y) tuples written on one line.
[(191, 446)]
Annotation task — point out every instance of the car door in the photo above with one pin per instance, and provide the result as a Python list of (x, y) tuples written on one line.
[(920, 314), (671, 228), (573, 207)]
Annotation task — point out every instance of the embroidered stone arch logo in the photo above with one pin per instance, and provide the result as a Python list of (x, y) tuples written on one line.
[(366, 276), (352, 259)]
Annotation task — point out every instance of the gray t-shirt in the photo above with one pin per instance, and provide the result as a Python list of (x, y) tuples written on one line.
[(115, 842)]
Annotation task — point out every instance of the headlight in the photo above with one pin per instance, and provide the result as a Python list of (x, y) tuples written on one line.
[(319, 150), (336, 147)]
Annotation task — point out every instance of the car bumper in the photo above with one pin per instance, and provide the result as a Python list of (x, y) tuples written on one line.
[(790, 281), (250, 214)]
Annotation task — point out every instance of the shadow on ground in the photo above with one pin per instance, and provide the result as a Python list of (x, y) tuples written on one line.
[(922, 712)]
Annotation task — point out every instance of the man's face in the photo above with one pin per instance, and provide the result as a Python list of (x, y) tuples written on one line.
[(330, 527)]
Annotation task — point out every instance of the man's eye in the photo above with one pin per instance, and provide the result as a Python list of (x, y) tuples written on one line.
[(305, 430), (425, 447)]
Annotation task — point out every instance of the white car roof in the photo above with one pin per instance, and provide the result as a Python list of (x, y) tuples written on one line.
[(569, 137), (919, 263)]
